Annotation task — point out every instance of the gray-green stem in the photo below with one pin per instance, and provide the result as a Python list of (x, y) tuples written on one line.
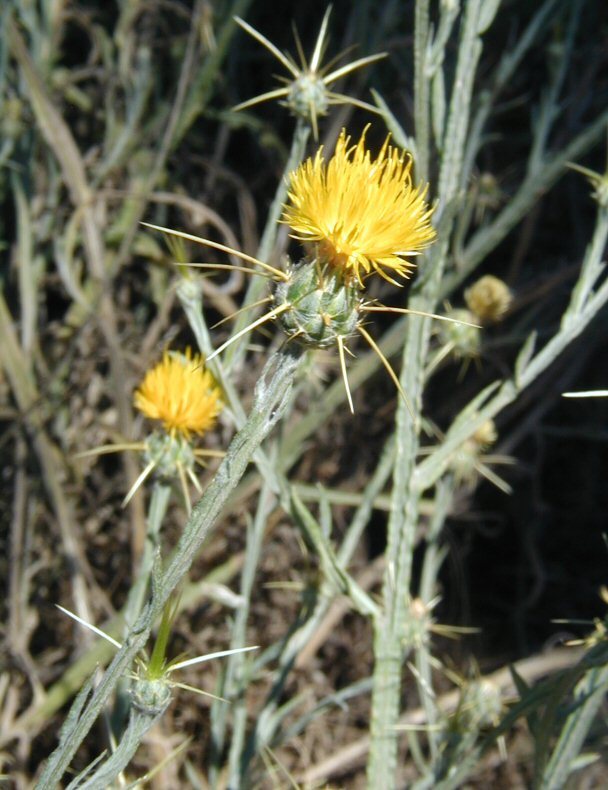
[(189, 293), (157, 509), (237, 664), (589, 696), (139, 724), (421, 90), (270, 400), (267, 720), (434, 555), (390, 626)]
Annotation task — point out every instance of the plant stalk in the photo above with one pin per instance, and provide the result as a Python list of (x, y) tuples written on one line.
[(390, 625), (159, 502), (270, 400), (236, 668)]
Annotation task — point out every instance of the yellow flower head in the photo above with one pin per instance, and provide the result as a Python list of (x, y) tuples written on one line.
[(364, 215), (181, 393)]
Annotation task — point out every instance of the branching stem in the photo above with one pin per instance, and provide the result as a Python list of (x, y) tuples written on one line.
[(270, 400)]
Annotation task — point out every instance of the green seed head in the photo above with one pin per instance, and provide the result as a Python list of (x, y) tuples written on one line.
[(322, 307)]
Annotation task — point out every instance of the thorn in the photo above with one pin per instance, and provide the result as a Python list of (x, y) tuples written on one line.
[(389, 369), (317, 55), (242, 310), (344, 376), (105, 449), (299, 48), (92, 628), (355, 64), (217, 246), (184, 485), (210, 453), (225, 266), (405, 310), (313, 119), (269, 46), (194, 479), (444, 352), (266, 317), (268, 96), (295, 335), (138, 482), (586, 394), (493, 478)]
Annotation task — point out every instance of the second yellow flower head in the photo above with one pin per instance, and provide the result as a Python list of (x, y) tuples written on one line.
[(180, 393)]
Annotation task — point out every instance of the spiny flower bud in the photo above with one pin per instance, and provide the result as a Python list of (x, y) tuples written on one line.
[(419, 624), (482, 704), (322, 307), (169, 453), (488, 298), (486, 435), (306, 92), (151, 697), (487, 195), (465, 460), (464, 339)]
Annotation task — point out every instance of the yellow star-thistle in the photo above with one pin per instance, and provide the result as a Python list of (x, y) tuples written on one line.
[(308, 92), (364, 215), (180, 393)]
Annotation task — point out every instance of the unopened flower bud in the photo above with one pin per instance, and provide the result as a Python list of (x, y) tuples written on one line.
[(151, 697), (307, 96), (465, 460), (485, 436), (488, 298), (483, 704), (464, 338)]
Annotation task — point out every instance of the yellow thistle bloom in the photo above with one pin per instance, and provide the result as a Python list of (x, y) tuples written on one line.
[(181, 393), (364, 215)]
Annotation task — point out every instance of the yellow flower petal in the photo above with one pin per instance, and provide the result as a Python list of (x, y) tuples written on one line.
[(364, 215), (180, 393)]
